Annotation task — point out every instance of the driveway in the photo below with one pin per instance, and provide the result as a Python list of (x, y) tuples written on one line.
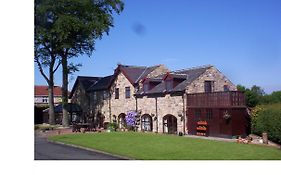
[(44, 150)]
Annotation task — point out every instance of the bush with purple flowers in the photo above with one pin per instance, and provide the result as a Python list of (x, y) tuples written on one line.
[(131, 119)]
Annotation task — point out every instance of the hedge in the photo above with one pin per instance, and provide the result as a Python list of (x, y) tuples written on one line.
[(268, 120)]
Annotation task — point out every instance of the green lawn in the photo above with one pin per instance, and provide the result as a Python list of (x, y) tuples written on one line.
[(146, 146)]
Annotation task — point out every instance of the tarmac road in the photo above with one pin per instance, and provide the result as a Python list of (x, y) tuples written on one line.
[(44, 150)]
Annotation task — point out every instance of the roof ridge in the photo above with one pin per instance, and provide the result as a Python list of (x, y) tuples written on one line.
[(192, 68), (133, 66)]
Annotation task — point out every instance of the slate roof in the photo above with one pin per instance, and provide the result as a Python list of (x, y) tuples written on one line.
[(136, 73), (85, 82), (43, 90), (191, 75), (187, 75), (101, 84)]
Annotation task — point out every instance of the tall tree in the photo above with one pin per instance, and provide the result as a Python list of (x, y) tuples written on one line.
[(73, 26), (45, 56)]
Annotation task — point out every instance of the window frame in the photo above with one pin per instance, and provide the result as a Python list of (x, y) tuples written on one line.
[(208, 86), (116, 93), (169, 85), (127, 92)]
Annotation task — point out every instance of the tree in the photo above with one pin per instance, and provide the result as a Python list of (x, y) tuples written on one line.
[(45, 57), (252, 96), (72, 27), (43, 61)]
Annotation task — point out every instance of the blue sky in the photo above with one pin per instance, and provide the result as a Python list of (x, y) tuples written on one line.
[(242, 38)]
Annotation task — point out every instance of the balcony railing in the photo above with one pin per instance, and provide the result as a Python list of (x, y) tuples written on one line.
[(216, 99)]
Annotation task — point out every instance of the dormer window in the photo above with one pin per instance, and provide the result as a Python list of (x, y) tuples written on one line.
[(146, 87), (169, 85)]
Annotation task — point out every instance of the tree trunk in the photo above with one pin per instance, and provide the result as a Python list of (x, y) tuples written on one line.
[(51, 94), (51, 104), (65, 118)]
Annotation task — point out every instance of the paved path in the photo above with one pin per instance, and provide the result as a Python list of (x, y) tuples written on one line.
[(44, 150)]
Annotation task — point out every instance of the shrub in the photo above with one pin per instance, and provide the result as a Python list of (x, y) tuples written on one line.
[(268, 120), (112, 126)]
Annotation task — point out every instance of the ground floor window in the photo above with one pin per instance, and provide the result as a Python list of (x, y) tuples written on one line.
[(121, 121), (146, 123)]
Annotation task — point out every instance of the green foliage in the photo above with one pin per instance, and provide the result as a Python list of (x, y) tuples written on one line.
[(149, 146), (71, 26), (253, 95), (256, 95), (112, 126), (274, 97), (267, 119)]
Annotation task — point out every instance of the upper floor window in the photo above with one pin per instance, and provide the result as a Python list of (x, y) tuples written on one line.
[(127, 92), (145, 87), (94, 95), (105, 95), (116, 93), (225, 88), (169, 85), (208, 86)]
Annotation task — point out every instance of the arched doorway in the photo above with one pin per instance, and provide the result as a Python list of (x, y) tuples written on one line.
[(121, 120), (170, 124), (146, 123)]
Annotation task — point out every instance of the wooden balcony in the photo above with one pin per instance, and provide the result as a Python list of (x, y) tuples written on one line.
[(216, 99)]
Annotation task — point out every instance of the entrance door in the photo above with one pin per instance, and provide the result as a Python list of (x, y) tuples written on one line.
[(225, 124), (170, 124)]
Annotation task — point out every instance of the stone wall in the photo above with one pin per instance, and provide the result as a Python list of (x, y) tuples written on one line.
[(168, 105), (214, 75), (122, 105), (161, 69), (100, 104), (81, 98)]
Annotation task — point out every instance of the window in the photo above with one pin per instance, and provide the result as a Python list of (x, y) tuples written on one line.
[(45, 100), (208, 86), (169, 85), (105, 95), (225, 88), (95, 96), (197, 114), (146, 123), (127, 92), (116, 93), (209, 114), (145, 87)]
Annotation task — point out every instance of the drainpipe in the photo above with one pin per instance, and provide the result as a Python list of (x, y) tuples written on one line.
[(184, 113), (156, 114), (109, 102)]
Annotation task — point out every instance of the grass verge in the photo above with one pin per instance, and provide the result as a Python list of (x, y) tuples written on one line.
[(146, 146)]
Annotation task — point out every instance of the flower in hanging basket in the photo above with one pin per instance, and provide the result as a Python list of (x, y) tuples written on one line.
[(226, 115)]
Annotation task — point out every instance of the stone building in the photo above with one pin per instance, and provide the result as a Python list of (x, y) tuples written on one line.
[(159, 96)]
